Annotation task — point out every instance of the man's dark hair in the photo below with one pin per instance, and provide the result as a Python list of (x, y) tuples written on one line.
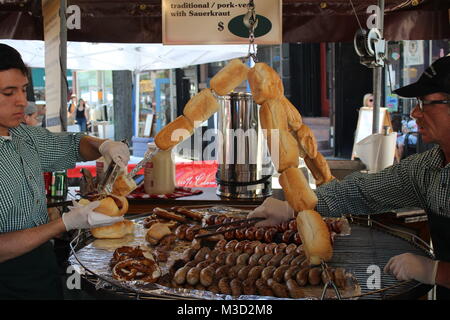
[(10, 59)]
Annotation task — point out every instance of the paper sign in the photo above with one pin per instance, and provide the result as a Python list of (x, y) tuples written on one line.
[(219, 22)]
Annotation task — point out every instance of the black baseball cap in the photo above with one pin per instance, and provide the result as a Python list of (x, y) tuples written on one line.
[(436, 78), (10, 58)]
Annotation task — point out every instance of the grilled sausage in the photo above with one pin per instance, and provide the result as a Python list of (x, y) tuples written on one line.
[(240, 234), (224, 286), (269, 235), (278, 274), (221, 257), (236, 287), (293, 225), (220, 245), (259, 234), (260, 248), (327, 276), (287, 236), (201, 254), (287, 259), (221, 272), (242, 259), (239, 247), (199, 286), (339, 277), (276, 259), (297, 261), (280, 248), (233, 271), (190, 233), (314, 276), (231, 258), (291, 248), (291, 272), (265, 259), (229, 247), (188, 254), (212, 254), (210, 220), (255, 272), (269, 249), (180, 231), (248, 286), (294, 290), (302, 277), (250, 246), (213, 288), (267, 272), (263, 289), (253, 261), (207, 276), (193, 276), (243, 272), (297, 239), (229, 235), (204, 264), (180, 275), (279, 289), (250, 233)]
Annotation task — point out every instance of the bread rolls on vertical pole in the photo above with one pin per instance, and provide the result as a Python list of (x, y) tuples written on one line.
[(319, 169), (200, 107), (306, 141), (282, 145), (296, 190), (315, 236), (173, 133), (265, 83), (229, 77)]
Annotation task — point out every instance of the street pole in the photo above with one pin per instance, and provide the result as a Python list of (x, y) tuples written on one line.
[(378, 77)]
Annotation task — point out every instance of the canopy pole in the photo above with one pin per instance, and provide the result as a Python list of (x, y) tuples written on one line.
[(377, 78)]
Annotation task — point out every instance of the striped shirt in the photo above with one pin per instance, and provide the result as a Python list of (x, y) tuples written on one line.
[(420, 180), (23, 159)]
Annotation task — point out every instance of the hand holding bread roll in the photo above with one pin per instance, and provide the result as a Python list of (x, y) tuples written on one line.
[(265, 83), (229, 77), (113, 206), (315, 236)]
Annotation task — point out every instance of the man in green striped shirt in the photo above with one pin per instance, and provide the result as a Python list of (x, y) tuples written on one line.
[(421, 180), (27, 263)]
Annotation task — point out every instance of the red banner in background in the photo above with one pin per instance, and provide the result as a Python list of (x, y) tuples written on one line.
[(196, 174)]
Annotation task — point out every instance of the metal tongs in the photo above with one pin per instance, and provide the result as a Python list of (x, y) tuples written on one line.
[(133, 173), (108, 178)]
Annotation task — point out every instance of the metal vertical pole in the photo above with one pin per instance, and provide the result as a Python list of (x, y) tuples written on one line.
[(377, 78)]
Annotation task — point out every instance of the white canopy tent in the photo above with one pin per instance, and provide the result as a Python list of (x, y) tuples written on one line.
[(128, 56)]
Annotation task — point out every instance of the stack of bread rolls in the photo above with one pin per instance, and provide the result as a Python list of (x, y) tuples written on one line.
[(114, 206), (288, 139)]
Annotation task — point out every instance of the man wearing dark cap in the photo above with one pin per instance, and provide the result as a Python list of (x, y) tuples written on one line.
[(28, 268), (421, 180)]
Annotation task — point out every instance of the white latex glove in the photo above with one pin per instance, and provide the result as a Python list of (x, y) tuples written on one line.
[(275, 211), (116, 151), (83, 217), (408, 266)]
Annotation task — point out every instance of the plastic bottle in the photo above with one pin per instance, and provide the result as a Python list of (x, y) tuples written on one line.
[(159, 174)]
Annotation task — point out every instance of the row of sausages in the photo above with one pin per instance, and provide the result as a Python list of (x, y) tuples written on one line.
[(236, 273), (264, 234)]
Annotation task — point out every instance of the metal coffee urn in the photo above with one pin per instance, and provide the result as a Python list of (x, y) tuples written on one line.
[(245, 168)]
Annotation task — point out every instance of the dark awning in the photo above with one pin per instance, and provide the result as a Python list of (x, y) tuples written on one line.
[(139, 21)]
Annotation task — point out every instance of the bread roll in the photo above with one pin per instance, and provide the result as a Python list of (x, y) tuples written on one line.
[(200, 107), (229, 77), (123, 185), (156, 232), (282, 145), (293, 117), (115, 231), (315, 236), (173, 133), (296, 190), (113, 206), (307, 142), (319, 169), (265, 83)]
